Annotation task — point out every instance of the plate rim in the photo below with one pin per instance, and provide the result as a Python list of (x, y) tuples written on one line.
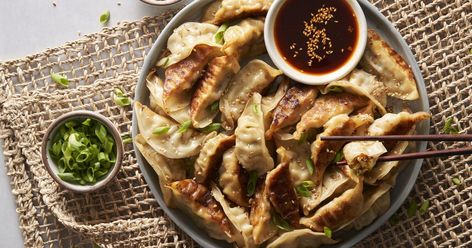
[(206, 240)]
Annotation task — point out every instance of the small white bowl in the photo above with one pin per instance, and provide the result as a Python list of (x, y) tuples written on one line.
[(313, 79)]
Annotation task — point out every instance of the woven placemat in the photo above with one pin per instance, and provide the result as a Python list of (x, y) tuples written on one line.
[(126, 214)]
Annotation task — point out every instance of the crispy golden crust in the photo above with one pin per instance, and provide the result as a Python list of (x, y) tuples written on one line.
[(223, 11), (260, 216), (210, 156), (296, 101), (233, 179), (282, 194)]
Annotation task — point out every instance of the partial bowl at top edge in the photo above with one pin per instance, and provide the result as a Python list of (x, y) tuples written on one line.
[(160, 2)]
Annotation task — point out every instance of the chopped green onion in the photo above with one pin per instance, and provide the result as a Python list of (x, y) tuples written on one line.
[(394, 219), (448, 128), (255, 108), (411, 211), (126, 139), (215, 106), (105, 17), (280, 223), (327, 231), (161, 130), (335, 89), (251, 183), (304, 189), (310, 166), (303, 138), (339, 156), (60, 79), (424, 207), (219, 35), (120, 98), (163, 62), (211, 128), (185, 126), (456, 181), (83, 151)]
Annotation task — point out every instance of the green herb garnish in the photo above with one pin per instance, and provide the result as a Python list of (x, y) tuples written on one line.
[(126, 139), (163, 62), (215, 106), (185, 126), (280, 223), (60, 79), (304, 189), (456, 181), (251, 183), (424, 207), (394, 219), (335, 89), (161, 130), (339, 156), (448, 128), (411, 211), (83, 151), (105, 17), (303, 138), (255, 108), (219, 36), (310, 166), (327, 231), (211, 128), (120, 98)]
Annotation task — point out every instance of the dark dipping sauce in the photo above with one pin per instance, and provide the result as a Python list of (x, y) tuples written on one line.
[(316, 36)]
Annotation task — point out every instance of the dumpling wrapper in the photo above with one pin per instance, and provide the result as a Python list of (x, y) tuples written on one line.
[(211, 155), (221, 11), (245, 39), (289, 110), (196, 200), (254, 77), (326, 107), (173, 144), (168, 170), (376, 203), (233, 179), (362, 155), (156, 89), (238, 217), (370, 84), (294, 153), (210, 88), (389, 67), (251, 149), (301, 238), (180, 77), (269, 102), (184, 38), (260, 216)]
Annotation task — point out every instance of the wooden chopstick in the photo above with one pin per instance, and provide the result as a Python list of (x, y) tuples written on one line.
[(428, 137), (417, 155)]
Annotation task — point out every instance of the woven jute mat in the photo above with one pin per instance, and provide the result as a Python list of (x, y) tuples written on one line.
[(125, 213)]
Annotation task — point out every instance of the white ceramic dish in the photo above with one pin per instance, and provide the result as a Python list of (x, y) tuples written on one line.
[(313, 79), (405, 180)]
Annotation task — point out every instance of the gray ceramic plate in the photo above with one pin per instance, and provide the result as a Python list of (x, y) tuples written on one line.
[(405, 180)]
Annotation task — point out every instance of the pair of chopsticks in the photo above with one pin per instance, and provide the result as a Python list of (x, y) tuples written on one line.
[(414, 155)]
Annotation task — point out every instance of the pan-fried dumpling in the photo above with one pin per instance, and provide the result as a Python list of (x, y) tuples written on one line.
[(370, 84), (233, 179), (291, 107), (251, 149), (362, 155), (294, 153), (168, 170), (260, 216), (245, 39), (172, 144), (180, 77), (238, 217), (156, 88), (185, 38), (383, 169), (269, 102), (356, 90), (339, 211), (376, 203), (301, 238), (197, 201), (389, 67), (327, 106), (253, 77), (282, 194), (211, 155), (210, 88), (222, 11)]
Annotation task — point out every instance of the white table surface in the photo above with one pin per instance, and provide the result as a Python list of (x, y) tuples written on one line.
[(29, 27)]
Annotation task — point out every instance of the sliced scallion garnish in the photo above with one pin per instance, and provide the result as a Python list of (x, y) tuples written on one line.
[(327, 231), (161, 130), (60, 79), (424, 207), (105, 17), (310, 166), (219, 35), (185, 126), (448, 128), (251, 183), (211, 128), (304, 189), (456, 181), (120, 98), (280, 223)]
